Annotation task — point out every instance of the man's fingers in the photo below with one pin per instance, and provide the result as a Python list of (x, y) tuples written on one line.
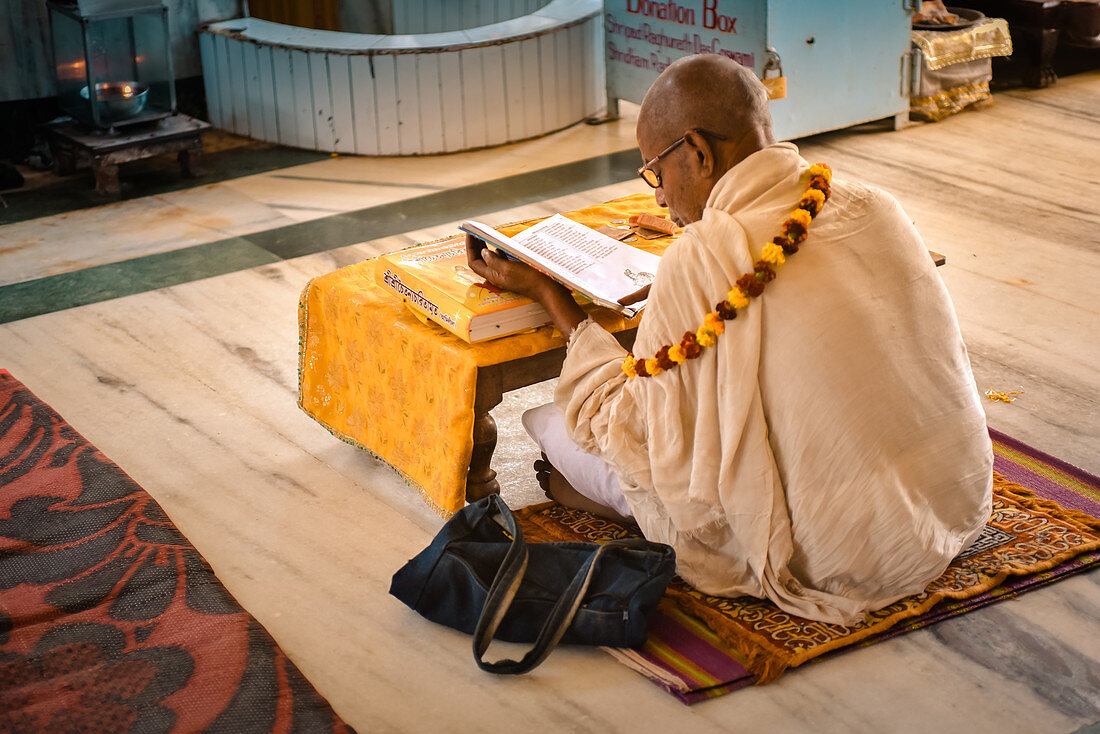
[(639, 295), (501, 272), (474, 247), (475, 255)]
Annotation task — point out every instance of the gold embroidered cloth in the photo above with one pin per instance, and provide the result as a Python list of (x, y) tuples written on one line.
[(1025, 535), (938, 99), (980, 41), (955, 68), (378, 378)]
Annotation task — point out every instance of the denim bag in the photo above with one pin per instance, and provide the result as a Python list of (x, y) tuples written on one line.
[(480, 577)]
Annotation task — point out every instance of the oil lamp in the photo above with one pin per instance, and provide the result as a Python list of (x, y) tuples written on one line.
[(113, 61)]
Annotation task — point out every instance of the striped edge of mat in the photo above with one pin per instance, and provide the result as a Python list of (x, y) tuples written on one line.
[(683, 656), (1049, 477)]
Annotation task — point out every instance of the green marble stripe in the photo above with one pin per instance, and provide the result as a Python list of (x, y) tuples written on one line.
[(141, 274), (347, 228), (125, 278)]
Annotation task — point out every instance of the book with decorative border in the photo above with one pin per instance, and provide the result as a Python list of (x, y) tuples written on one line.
[(436, 284)]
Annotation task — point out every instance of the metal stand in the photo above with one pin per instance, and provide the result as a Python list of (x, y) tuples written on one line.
[(611, 113)]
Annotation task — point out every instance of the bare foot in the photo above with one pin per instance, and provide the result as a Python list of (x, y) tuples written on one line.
[(560, 490)]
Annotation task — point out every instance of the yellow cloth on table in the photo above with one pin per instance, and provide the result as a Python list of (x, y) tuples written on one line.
[(377, 377)]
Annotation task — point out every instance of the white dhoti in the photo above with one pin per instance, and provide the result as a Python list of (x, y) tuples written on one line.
[(589, 475)]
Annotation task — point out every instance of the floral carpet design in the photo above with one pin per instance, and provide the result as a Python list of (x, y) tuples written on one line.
[(110, 620)]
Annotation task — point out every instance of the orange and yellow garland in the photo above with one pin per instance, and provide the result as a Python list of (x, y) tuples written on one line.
[(749, 285)]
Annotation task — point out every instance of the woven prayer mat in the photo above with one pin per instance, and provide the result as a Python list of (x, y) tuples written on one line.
[(1044, 527), (110, 620)]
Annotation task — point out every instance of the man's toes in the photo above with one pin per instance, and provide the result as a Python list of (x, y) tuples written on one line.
[(543, 470)]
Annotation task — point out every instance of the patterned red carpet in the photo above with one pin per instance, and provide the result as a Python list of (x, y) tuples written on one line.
[(110, 620)]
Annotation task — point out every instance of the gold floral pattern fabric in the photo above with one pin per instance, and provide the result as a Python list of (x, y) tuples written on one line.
[(1025, 535), (378, 378)]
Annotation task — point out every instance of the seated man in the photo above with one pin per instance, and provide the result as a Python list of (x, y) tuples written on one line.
[(820, 442)]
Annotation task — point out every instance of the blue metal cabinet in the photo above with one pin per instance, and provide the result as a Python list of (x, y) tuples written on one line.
[(844, 63)]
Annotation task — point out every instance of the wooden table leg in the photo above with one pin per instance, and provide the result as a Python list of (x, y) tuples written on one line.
[(64, 162), (492, 382), (190, 160), (1040, 70), (482, 480), (106, 179)]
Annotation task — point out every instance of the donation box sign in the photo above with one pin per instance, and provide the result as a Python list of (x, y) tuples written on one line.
[(645, 36), (844, 63)]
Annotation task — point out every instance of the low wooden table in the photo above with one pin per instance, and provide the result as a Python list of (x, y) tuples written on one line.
[(417, 398), (74, 146)]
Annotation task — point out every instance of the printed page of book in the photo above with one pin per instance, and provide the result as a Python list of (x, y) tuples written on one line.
[(588, 261)]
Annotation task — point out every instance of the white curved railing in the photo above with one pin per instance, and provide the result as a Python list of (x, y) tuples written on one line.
[(406, 94), (438, 16)]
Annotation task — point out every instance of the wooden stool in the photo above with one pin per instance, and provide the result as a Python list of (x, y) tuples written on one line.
[(74, 146)]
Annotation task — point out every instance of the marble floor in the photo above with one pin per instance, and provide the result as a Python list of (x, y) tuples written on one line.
[(179, 362)]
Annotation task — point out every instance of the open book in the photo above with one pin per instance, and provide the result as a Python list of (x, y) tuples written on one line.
[(593, 264)]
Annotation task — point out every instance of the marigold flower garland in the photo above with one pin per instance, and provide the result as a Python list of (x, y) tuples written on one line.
[(748, 286)]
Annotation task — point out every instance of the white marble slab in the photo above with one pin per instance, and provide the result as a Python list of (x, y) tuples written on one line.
[(37, 248)]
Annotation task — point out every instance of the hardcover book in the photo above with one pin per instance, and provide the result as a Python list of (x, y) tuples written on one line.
[(591, 263), (435, 283)]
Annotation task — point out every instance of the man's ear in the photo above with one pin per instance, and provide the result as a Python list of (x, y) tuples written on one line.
[(700, 148)]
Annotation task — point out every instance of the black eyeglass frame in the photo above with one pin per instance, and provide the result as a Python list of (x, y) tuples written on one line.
[(646, 168)]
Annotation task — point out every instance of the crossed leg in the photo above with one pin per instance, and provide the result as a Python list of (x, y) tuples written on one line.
[(558, 488), (569, 475)]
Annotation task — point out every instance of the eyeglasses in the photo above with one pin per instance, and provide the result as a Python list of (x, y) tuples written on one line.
[(653, 178)]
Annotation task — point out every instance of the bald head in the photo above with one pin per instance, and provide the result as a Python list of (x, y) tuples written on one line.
[(708, 93)]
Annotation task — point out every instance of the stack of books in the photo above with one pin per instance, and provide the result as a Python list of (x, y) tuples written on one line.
[(435, 280), (436, 283)]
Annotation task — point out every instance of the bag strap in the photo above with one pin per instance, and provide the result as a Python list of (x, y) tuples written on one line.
[(507, 583)]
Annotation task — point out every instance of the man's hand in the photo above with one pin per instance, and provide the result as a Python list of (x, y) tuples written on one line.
[(512, 275), (506, 274), (639, 295)]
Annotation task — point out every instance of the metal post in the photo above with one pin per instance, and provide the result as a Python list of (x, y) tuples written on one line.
[(168, 56), (89, 62)]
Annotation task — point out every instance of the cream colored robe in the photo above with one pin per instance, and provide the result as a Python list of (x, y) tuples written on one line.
[(830, 453)]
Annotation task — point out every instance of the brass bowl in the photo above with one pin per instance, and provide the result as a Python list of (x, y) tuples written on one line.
[(119, 101)]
